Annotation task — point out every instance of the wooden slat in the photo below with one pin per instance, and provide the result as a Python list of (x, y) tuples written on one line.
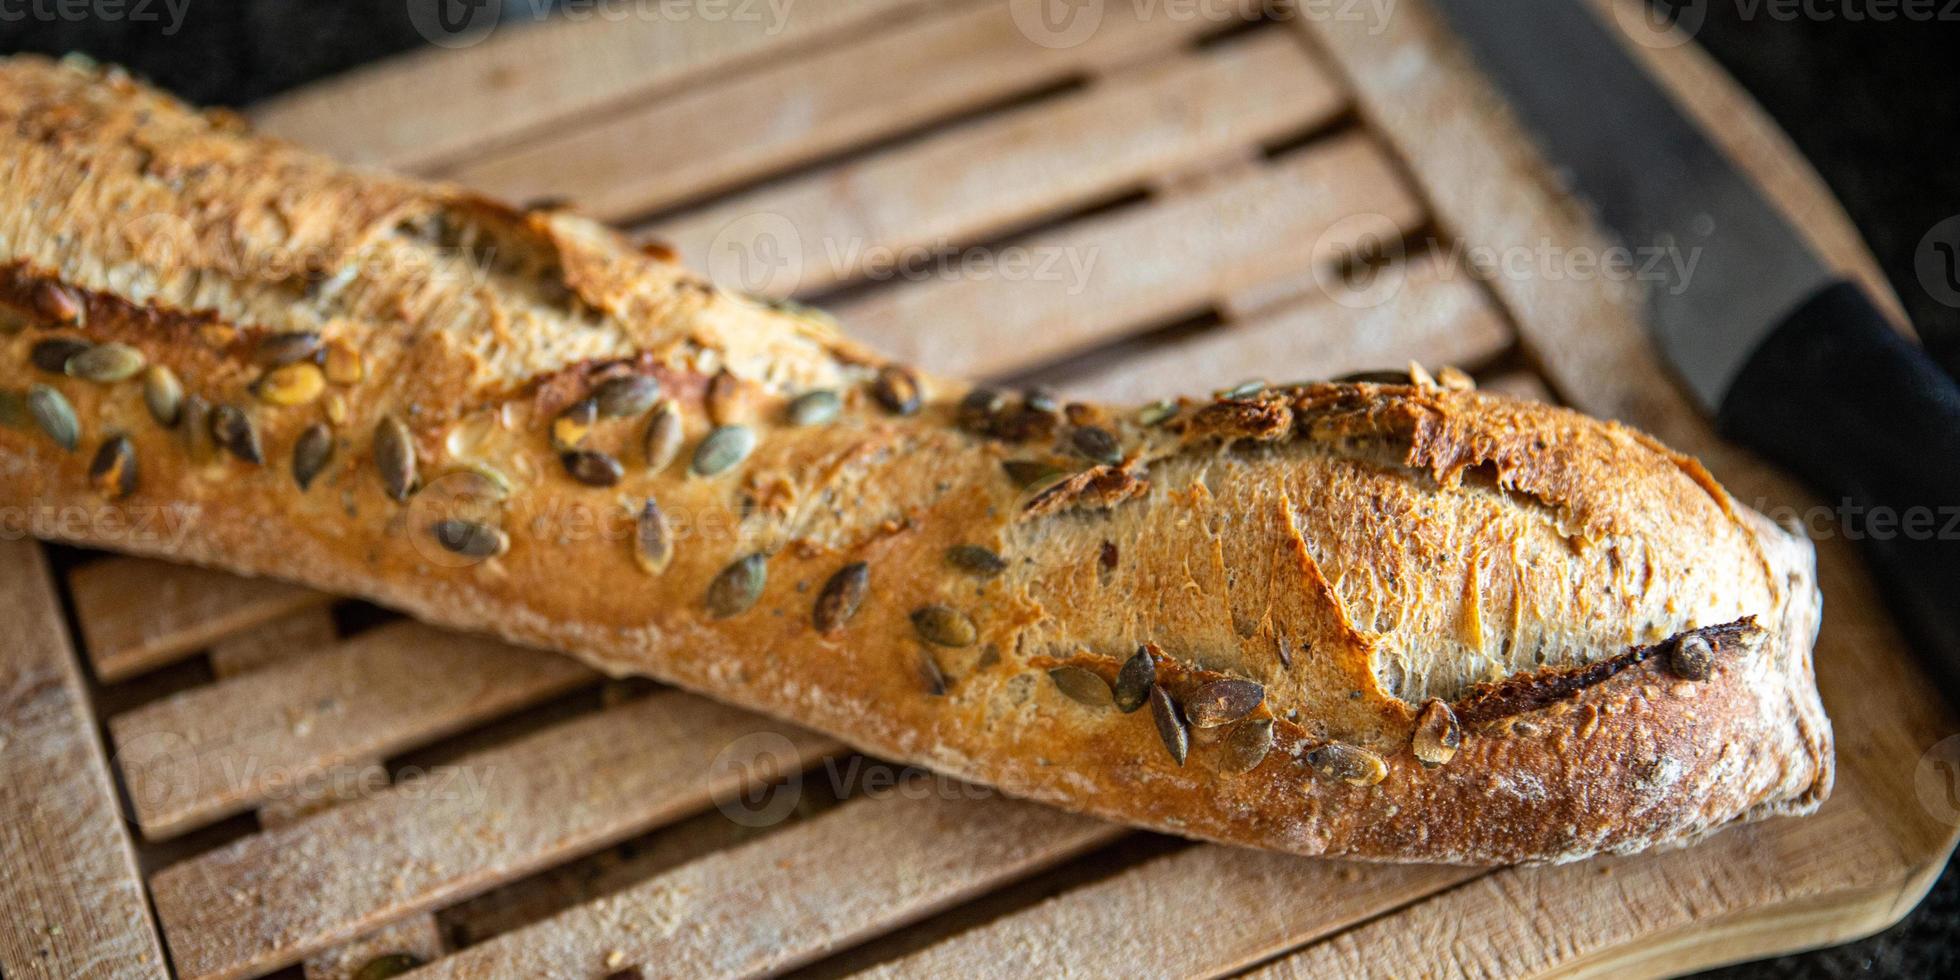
[(418, 936), (1433, 316), (849, 221), (796, 109), (215, 750), (288, 636), (769, 906), (71, 902), (1153, 263), (276, 897), (1204, 911), (137, 614), (420, 110)]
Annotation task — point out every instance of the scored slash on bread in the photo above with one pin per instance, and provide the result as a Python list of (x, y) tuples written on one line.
[(1391, 618)]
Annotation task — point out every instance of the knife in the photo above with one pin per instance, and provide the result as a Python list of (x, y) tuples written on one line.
[(1791, 360)]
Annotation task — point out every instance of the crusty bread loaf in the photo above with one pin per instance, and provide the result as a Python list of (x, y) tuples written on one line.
[(1394, 620)]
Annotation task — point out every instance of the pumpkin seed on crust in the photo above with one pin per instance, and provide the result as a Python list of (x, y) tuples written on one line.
[(722, 449), (470, 539), (105, 363), (1135, 680), (945, 626), (840, 597), (53, 354), (653, 540), (1437, 734), (1246, 744), (1692, 658), (897, 389), (736, 588), (232, 429), (311, 452), (279, 349), (1171, 727), (931, 675), (592, 468), (626, 396), (1222, 702), (818, 407), (973, 558), (664, 434), (113, 472), (1350, 764), (55, 416), (163, 394), (569, 429), (1082, 686), (1097, 445), (394, 457)]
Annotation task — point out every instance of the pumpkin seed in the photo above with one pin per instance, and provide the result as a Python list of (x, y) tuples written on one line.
[(1096, 445), (310, 454), (470, 539), (973, 558), (234, 431), (1027, 472), (653, 541), (979, 408), (931, 675), (477, 480), (573, 424), (1246, 745), (1244, 389), (55, 416), (1134, 681), (113, 472), (724, 399), (815, 408), (1350, 764), (194, 421), (738, 586), (13, 409), (897, 389), (626, 396), (344, 364), (1170, 724), (1692, 658), (105, 363), (1041, 400), (164, 395), (387, 967), (394, 457), (661, 441), (840, 597), (592, 468), (1082, 686), (1157, 413), (1437, 735), (723, 448), (58, 303), (294, 384), (945, 626), (52, 355), (1374, 378), (1223, 702), (279, 349)]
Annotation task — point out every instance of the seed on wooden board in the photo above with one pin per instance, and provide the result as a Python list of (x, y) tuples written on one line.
[(1096, 445), (311, 451), (1170, 724), (626, 396), (470, 539), (194, 421), (897, 389), (737, 587), (592, 468), (387, 967), (723, 448), (1437, 734), (163, 394), (113, 472), (233, 430), (569, 429), (945, 626), (55, 416), (279, 349), (58, 303), (1350, 764), (1028, 472), (1135, 680), (931, 675), (293, 384), (975, 559), (1222, 702), (52, 355), (13, 409), (725, 402), (394, 457), (663, 437), (815, 408), (840, 597), (653, 540), (1692, 658), (1082, 686), (106, 363), (1246, 744), (1157, 413), (344, 364)]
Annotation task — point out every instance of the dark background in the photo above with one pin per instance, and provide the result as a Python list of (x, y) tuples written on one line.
[(1874, 105)]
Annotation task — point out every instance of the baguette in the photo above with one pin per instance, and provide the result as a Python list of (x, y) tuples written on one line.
[(1391, 619)]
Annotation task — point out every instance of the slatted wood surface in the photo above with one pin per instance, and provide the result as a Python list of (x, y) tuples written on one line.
[(310, 786)]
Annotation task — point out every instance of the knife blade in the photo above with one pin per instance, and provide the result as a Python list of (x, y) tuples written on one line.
[(1793, 361)]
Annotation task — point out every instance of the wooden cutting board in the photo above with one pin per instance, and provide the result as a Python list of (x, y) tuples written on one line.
[(309, 786)]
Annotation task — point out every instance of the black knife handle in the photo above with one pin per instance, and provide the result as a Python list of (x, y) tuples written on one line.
[(1841, 399)]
